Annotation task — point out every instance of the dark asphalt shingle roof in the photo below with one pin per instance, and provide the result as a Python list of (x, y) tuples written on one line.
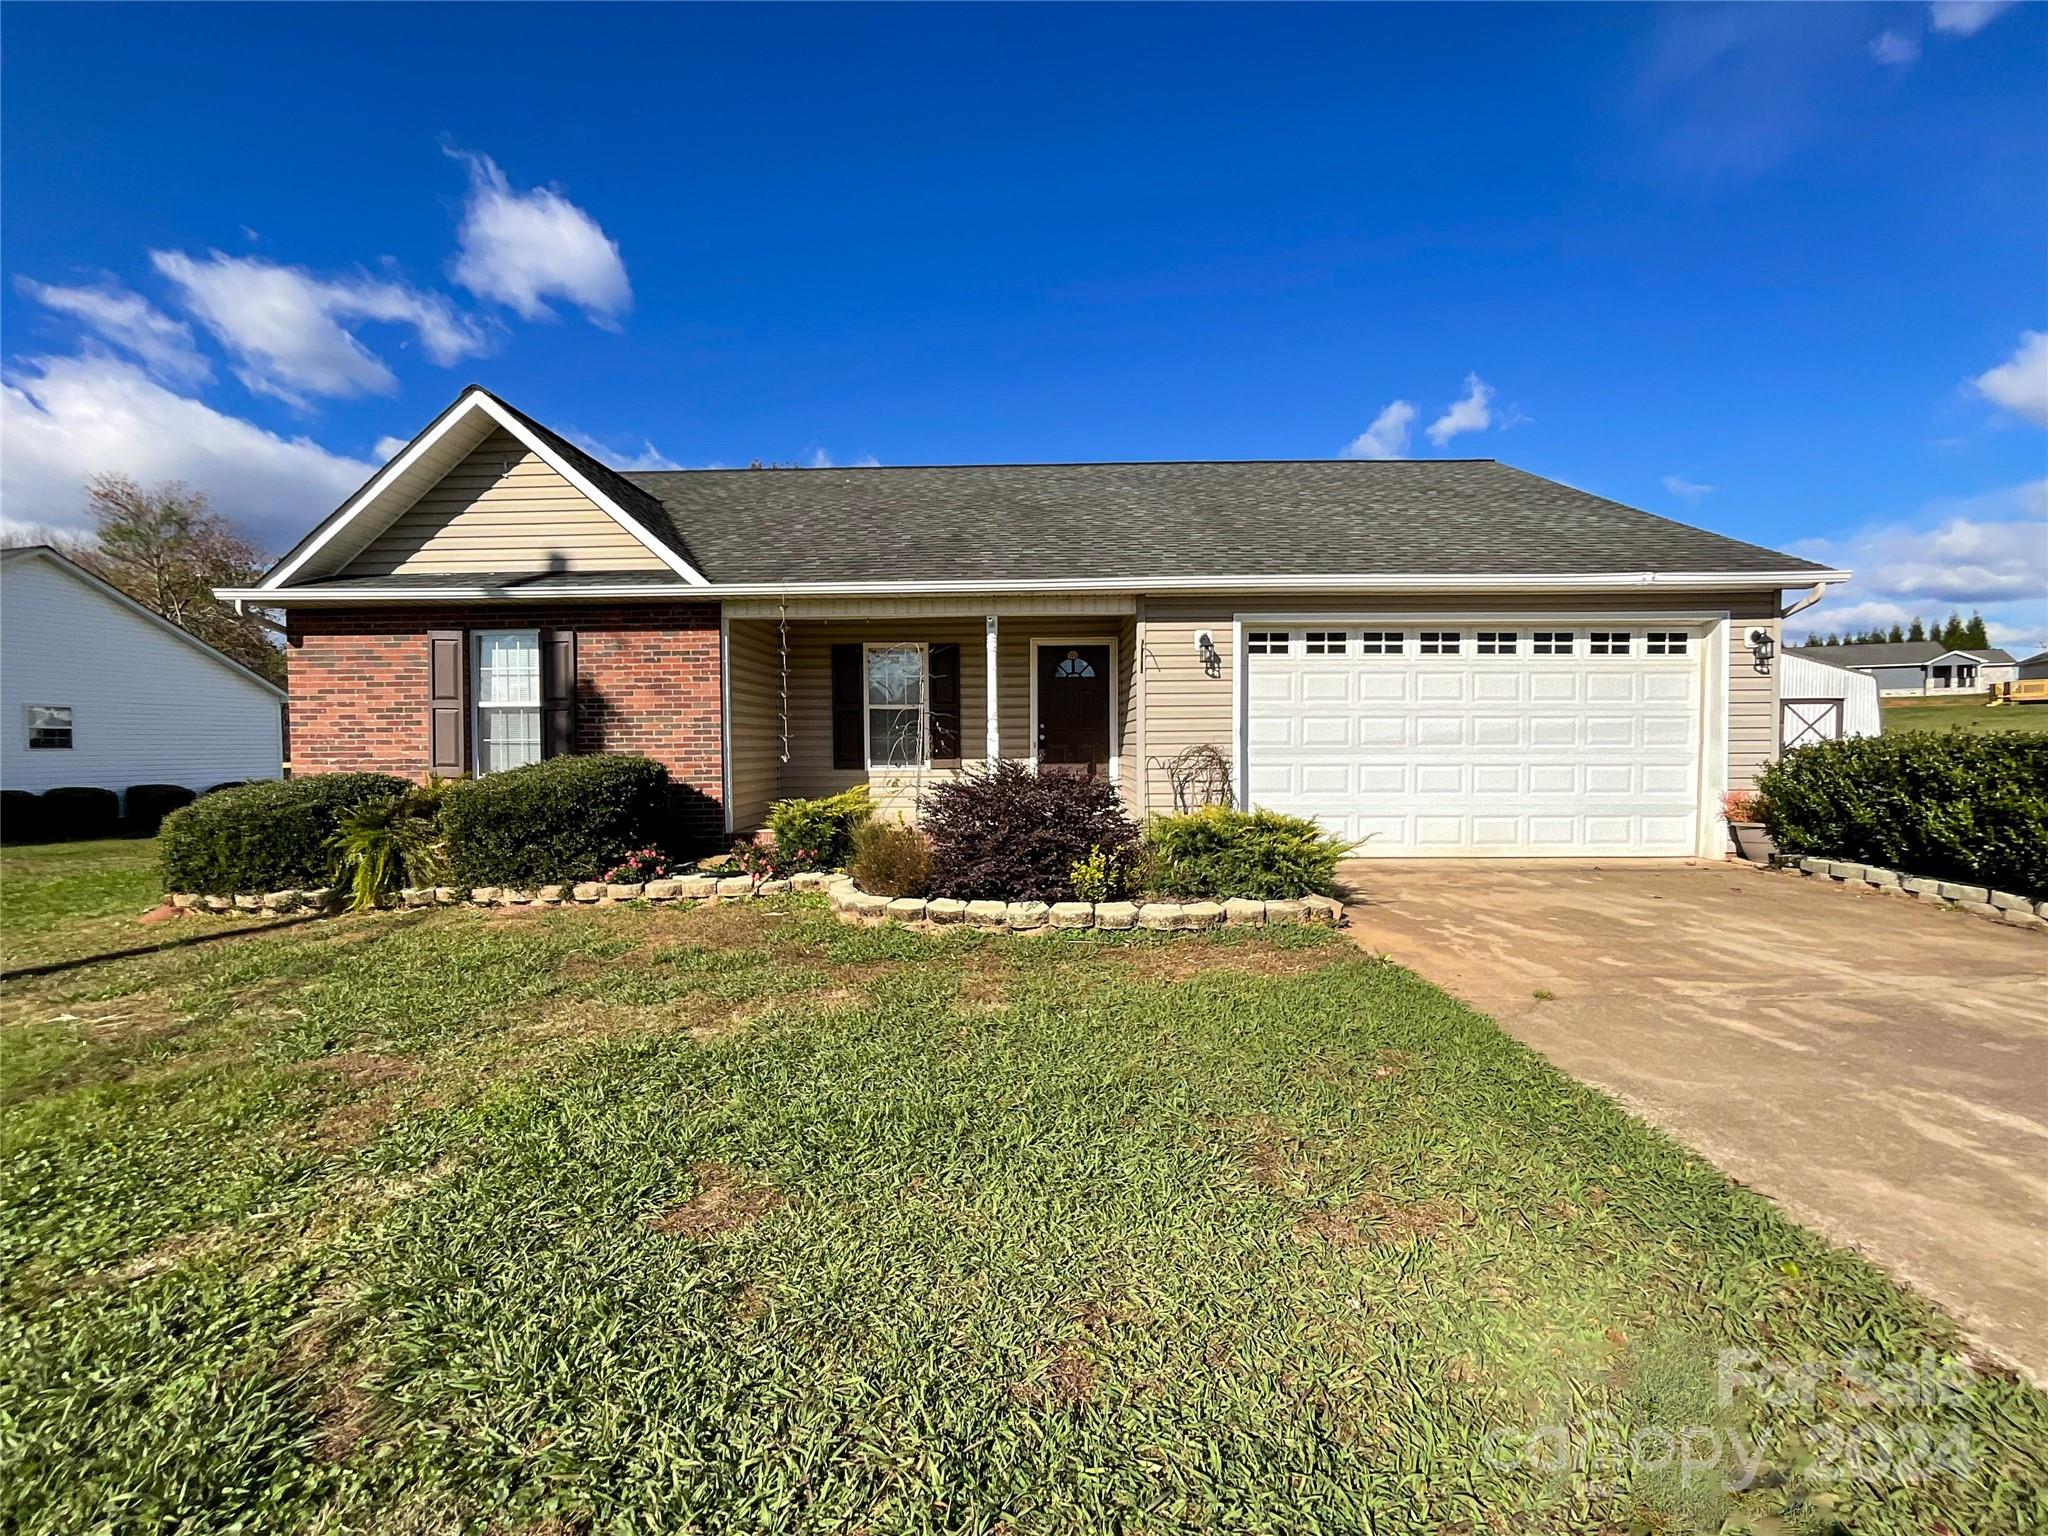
[(1060, 522), (1904, 653)]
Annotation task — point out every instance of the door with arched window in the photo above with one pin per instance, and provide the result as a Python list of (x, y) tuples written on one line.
[(1073, 700)]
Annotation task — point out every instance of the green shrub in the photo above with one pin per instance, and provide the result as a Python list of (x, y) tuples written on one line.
[(1013, 834), (818, 834), (144, 806), (1102, 876), (1259, 855), (74, 814), (1946, 807), (22, 817), (383, 846), (562, 819), (891, 858), (271, 836)]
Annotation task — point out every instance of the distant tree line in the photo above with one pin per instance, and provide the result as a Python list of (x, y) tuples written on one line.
[(166, 548), (1957, 634)]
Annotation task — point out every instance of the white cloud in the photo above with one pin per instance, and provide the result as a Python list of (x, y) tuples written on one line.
[(2020, 384), (389, 448), (1691, 492), (1986, 552), (820, 459), (1890, 47), (649, 456), (1965, 18), (286, 325), (521, 248), (74, 417), (1474, 413), (1387, 437), (131, 323)]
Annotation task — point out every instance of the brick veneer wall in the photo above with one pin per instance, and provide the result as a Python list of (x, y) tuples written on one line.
[(647, 681)]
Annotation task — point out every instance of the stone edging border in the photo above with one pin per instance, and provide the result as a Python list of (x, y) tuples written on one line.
[(1980, 900), (584, 893), (857, 906)]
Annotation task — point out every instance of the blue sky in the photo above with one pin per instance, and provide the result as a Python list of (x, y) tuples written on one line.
[(1779, 271)]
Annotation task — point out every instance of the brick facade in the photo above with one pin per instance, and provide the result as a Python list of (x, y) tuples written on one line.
[(647, 682)]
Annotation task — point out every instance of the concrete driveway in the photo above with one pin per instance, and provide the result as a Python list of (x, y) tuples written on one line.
[(1877, 1066)]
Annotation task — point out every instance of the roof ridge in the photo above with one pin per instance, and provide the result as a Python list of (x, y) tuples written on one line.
[(748, 469)]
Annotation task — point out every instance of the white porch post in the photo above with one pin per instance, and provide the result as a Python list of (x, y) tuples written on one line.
[(995, 736)]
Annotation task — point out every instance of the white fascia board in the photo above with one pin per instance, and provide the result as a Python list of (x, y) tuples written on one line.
[(1723, 580), (478, 400)]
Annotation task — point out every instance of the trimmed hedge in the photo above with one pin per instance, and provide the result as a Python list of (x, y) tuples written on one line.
[(819, 834), (21, 817), (1972, 809), (1014, 835), (1259, 855), (145, 806), (75, 813), (264, 837), (562, 819)]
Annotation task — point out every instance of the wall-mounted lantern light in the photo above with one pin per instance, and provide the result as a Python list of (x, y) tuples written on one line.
[(1205, 647), (1762, 645)]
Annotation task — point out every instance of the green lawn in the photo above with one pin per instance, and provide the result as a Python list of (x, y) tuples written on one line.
[(1968, 712), (743, 1219)]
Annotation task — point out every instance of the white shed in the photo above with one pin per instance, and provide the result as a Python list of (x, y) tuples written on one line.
[(96, 690), (1819, 702)]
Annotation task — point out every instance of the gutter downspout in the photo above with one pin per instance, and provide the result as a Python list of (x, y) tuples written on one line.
[(1819, 591)]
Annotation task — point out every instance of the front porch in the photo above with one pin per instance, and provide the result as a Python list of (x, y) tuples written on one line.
[(901, 694)]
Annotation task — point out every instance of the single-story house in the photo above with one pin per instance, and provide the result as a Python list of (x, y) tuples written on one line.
[(1820, 701), (2035, 666), (1439, 658), (98, 691), (1910, 668)]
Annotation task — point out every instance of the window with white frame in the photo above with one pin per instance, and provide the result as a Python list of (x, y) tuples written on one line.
[(1664, 642), (1551, 642), (1266, 642), (1608, 642), (897, 706), (49, 727), (1441, 642), (1497, 642), (1381, 642), (1324, 642), (507, 668)]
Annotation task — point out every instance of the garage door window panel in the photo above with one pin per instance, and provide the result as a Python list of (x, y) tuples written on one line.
[(1609, 642), (1381, 642), (1497, 642), (1442, 642), (1553, 642)]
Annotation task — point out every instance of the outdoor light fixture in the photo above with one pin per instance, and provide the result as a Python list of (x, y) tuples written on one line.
[(1762, 643), (1205, 647)]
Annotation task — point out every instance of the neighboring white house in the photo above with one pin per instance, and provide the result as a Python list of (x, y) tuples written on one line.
[(1819, 701), (1909, 668), (96, 690)]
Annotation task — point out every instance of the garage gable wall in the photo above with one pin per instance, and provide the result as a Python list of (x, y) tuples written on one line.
[(503, 508), (1185, 704)]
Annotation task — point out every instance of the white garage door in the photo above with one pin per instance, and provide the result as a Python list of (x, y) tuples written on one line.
[(1461, 741)]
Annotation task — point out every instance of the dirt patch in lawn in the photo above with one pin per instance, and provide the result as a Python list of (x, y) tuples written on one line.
[(1381, 1221), (1274, 1155), (1068, 1381), (727, 1200), (362, 1069), (1183, 961)]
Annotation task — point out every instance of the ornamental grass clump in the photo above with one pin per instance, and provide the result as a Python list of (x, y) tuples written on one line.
[(1012, 834), (383, 846), (891, 858)]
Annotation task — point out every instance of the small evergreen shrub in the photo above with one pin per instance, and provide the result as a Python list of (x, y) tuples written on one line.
[(1260, 855), (1949, 806), (145, 806), (818, 834), (22, 818), (76, 813), (1102, 876), (269, 836), (1014, 835), (891, 858), (562, 819)]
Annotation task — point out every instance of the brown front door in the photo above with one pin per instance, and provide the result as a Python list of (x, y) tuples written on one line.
[(1073, 708)]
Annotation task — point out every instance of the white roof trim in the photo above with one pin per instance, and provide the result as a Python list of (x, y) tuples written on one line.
[(107, 589), (475, 399), (1769, 580)]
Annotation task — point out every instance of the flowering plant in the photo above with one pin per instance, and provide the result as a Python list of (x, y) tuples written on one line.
[(638, 867), (1743, 805), (758, 858)]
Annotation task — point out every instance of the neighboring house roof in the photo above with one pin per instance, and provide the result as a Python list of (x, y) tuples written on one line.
[(2038, 659), (28, 552), (1905, 653), (1065, 524)]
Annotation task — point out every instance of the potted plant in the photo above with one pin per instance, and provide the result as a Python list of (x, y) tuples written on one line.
[(1743, 810)]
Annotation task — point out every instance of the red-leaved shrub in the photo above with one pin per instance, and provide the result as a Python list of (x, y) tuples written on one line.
[(1014, 835)]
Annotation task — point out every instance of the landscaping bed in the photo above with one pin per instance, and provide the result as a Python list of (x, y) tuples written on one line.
[(734, 1216)]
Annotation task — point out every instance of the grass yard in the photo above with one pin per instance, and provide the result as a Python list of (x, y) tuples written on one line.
[(1968, 712), (743, 1219)]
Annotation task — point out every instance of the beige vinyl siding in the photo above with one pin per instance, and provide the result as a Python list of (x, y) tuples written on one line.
[(1182, 706), (753, 706), (503, 509), (1128, 757)]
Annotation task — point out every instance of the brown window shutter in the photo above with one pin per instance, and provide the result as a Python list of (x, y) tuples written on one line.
[(447, 702), (849, 740), (557, 692), (942, 669)]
